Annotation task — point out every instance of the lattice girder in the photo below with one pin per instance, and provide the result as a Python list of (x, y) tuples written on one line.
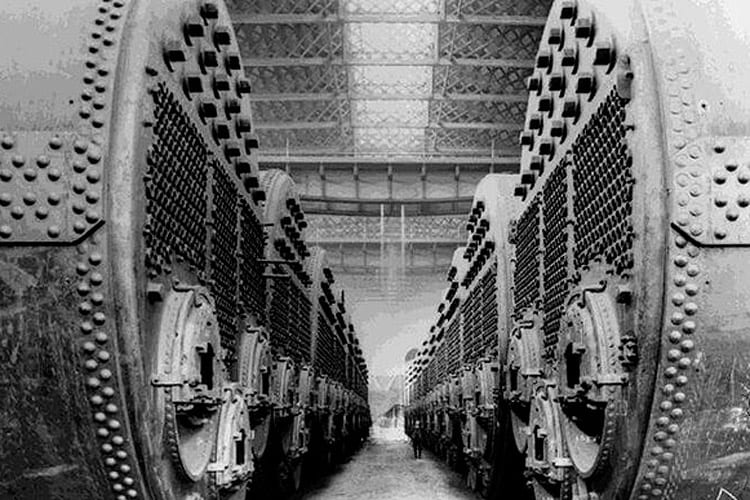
[(478, 111), (474, 139), (334, 139), (480, 79), (301, 111), (290, 40), (246, 7), (538, 8), (485, 41), (297, 79)]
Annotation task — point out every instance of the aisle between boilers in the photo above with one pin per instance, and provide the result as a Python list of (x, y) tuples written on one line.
[(385, 469)]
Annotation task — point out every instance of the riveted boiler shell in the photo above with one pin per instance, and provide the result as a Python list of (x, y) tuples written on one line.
[(314, 267), (122, 126), (279, 188), (634, 171)]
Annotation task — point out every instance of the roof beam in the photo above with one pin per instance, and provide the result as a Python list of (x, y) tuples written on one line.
[(441, 152), (387, 18), (389, 125), (324, 61), (406, 160), (388, 207), (385, 201), (329, 96), (296, 125)]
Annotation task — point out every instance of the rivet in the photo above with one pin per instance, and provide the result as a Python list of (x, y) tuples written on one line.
[(687, 345), (29, 175), (670, 372), (732, 214), (101, 337), (691, 308), (118, 440), (29, 198), (113, 474), (110, 462), (99, 318), (85, 308), (97, 279), (691, 289), (668, 389), (53, 231), (125, 468), (118, 487), (89, 347), (659, 436), (80, 146), (666, 405), (696, 230), (693, 270), (108, 392), (93, 382), (53, 199), (681, 380), (95, 258), (91, 365), (688, 327), (673, 355), (94, 156), (103, 356), (18, 161), (79, 227), (5, 199), (8, 142), (680, 261), (675, 336), (6, 175), (657, 450), (662, 421), (679, 397), (720, 233), (54, 174), (17, 212), (107, 448), (122, 455), (684, 363), (720, 177)]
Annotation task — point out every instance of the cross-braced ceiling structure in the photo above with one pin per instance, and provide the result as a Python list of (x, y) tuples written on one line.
[(387, 113), (394, 80)]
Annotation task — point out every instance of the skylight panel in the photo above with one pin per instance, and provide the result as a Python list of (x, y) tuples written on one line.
[(391, 80), (392, 6), (391, 42), (403, 112)]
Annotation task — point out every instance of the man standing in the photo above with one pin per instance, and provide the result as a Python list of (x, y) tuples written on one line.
[(416, 440)]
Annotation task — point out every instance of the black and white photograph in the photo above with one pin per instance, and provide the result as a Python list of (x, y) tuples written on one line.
[(375, 249)]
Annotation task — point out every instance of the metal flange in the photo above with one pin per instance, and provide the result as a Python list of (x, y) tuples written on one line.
[(191, 376)]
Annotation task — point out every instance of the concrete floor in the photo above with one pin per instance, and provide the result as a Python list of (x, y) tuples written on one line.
[(384, 469)]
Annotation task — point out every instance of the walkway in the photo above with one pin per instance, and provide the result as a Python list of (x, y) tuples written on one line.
[(384, 469)]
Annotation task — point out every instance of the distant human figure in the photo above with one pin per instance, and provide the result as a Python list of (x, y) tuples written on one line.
[(416, 440)]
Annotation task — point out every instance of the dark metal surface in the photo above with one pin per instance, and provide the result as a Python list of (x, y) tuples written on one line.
[(624, 370), (135, 347)]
